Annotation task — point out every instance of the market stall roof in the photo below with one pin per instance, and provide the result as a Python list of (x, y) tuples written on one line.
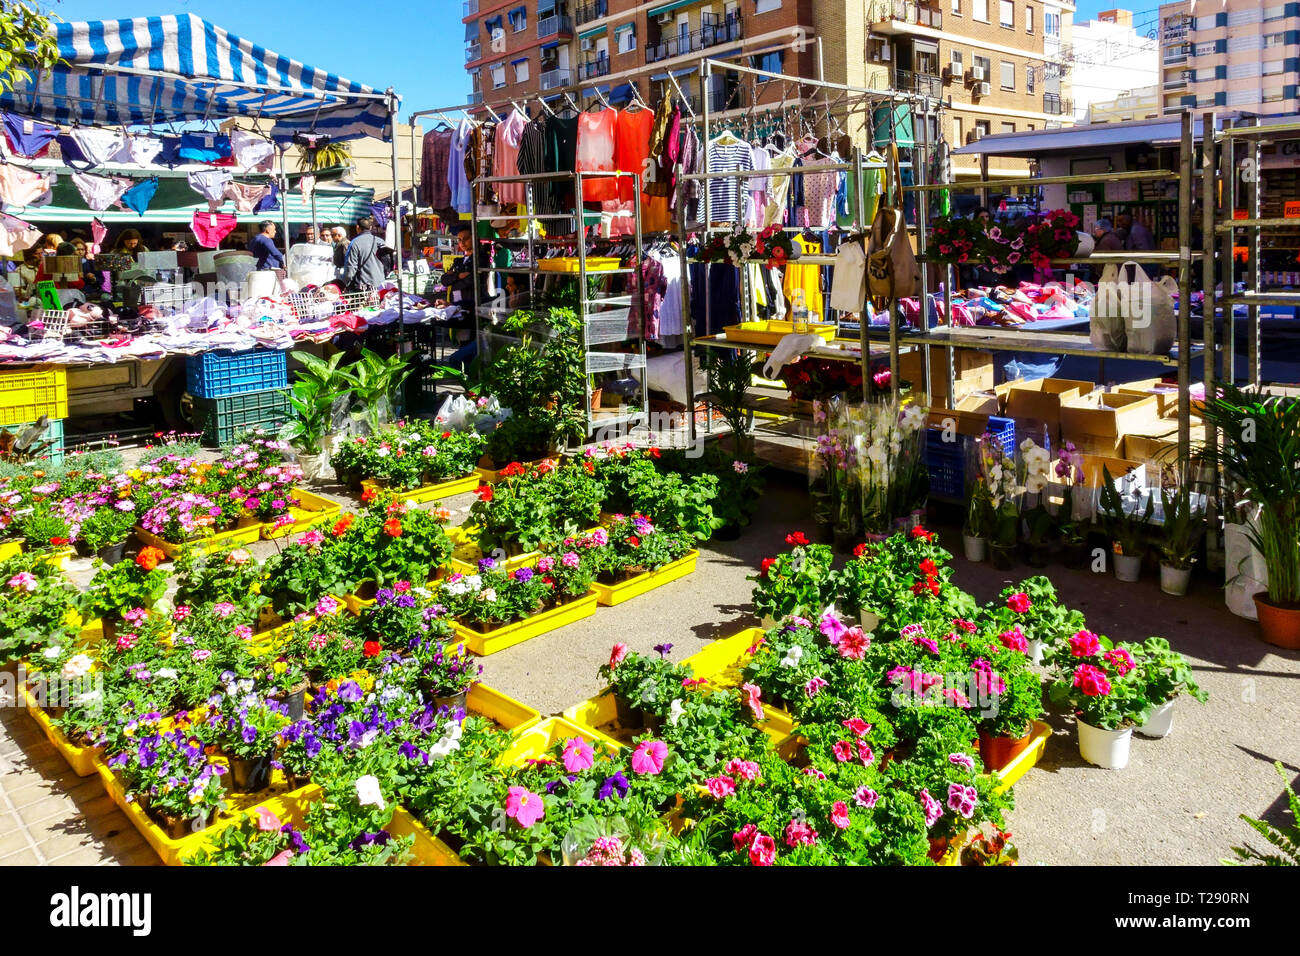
[(1163, 130), (148, 70), (174, 203)]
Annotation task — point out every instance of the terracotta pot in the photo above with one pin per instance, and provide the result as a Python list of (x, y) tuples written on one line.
[(595, 397), (997, 752), (1278, 624)]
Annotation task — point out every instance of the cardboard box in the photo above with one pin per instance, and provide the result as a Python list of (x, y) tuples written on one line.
[(974, 372), (1098, 422), (1165, 393), (1037, 403), (1125, 472), (1157, 451)]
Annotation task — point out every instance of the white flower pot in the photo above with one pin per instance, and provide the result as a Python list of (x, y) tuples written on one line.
[(1174, 580), (1127, 567), (977, 549), (868, 621), (1160, 723), (1108, 749), (1035, 652)]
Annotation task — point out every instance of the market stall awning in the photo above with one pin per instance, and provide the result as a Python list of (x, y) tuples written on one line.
[(173, 203), (148, 70), (1161, 131)]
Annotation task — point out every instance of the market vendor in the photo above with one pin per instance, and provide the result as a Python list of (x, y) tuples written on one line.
[(362, 266), (459, 279), (263, 247)]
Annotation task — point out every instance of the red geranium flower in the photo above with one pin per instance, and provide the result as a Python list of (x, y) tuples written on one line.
[(512, 469), (59, 542), (393, 528), (652, 452), (928, 568), (797, 539), (919, 532), (767, 563), (484, 492), (860, 550), (372, 649), (446, 434), (342, 526), (634, 541), (368, 496)]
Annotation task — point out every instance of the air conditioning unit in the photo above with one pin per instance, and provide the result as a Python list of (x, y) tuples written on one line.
[(587, 43), (665, 19), (975, 74), (982, 90)]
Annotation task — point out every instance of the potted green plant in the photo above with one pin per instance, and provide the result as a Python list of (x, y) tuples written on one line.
[(104, 532), (1184, 525), (1126, 525), (375, 381), (800, 582), (1166, 676), (1260, 448), (730, 374), (975, 529), (124, 591), (319, 387), (1101, 684), (1286, 839)]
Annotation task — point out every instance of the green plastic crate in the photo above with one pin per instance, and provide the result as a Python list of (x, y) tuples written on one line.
[(53, 432), (223, 419)]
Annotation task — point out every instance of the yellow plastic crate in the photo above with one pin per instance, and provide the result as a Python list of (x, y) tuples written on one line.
[(426, 493), (427, 848), (533, 742), (225, 539), (10, 549), (721, 664), (1026, 759), (509, 635), (608, 595), (596, 712), (27, 394), (570, 264), (501, 709), (772, 331), (312, 509), (84, 761)]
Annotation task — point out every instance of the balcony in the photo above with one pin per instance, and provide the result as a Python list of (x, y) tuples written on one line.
[(713, 33), (469, 8), (555, 25), (1053, 105), (906, 81), (592, 11), (590, 69), (887, 15), (719, 100), (476, 97), (554, 79), (473, 52)]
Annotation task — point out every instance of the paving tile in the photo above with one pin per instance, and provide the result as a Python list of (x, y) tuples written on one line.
[(13, 838), (22, 858)]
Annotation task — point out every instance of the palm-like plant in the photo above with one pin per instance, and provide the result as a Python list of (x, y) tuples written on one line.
[(318, 388), (731, 372), (1286, 839), (1260, 456), (1184, 524), (374, 381), (312, 159)]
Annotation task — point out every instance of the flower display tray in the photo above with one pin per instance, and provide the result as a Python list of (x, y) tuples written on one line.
[(84, 761), (9, 549), (312, 509), (1024, 760), (466, 553), (608, 595), (771, 332), (425, 493), (532, 743), (721, 663), (502, 709), (224, 539), (508, 635)]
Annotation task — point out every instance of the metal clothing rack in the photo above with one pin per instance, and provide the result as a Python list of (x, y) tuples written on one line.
[(1069, 343), (601, 316), (851, 100)]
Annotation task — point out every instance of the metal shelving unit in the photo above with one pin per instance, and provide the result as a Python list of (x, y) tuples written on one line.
[(600, 314)]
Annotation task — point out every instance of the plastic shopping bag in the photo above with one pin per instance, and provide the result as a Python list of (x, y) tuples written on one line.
[(1150, 323), (1106, 328)]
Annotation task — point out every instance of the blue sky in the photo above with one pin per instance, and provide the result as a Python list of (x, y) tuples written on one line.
[(417, 49)]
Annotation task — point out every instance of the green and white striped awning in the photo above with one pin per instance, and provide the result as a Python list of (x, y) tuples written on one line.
[(332, 206)]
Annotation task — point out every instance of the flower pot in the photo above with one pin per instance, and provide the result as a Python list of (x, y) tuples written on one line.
[(628, 716), (1036, 554), (250, 775), (1074, 554), (82, 549), (595, 397), (1002, 556), (1035, 651), (977, 548), (1174, 580), (997, 752), (113, 553), (1086, 245), (1160, 723), (868, 620), (1128, 567), (453, 703), (295, 701), (178, 828), (1108, 749), (1279, 624)]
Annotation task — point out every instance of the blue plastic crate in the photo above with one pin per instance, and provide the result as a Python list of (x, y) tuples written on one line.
[(53, 432), (946, 461), (217, 374)]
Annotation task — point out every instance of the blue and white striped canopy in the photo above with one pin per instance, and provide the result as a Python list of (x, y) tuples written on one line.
[(181, 68)]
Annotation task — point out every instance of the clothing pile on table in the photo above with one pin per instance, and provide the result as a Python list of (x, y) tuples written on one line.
[(206, 324), (1003, 306)]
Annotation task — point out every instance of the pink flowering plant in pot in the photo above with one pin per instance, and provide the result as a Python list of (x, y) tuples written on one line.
[(1032, 609), (955, 239), (1099, 681)]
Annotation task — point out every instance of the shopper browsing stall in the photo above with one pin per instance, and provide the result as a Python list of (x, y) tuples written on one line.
[(263, 247)]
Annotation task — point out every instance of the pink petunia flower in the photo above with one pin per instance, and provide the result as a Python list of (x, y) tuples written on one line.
[(577, 755), (648, 758), (524, 806)]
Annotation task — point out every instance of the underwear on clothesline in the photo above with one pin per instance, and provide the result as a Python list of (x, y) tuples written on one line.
[(16, 236), (100, 192), (141, 150), (22, 187), (246, 196), (209, 183), (210, 148), (249, 149), (138, 197), (99, 146), (28, 137), (271, 201), (211, 227)]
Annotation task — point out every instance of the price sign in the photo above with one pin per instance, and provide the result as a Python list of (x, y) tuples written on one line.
[(1291, 210)]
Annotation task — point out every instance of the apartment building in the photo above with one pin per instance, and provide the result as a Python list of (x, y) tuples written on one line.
[(996, 65), (516, 49), (1236, 55), (1110, 60), (1145, 102)]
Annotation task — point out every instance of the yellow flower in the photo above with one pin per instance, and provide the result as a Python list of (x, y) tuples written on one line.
[(256, 588), (279, 667)]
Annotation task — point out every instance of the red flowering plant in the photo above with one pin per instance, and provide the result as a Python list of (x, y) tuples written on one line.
[(1032, 611), (1053, 236), (393, 541), (955, 239), (535, 506), (771, 244), (1100, 681), (629, 545), (811, 379), (901, 580), (799, 582)]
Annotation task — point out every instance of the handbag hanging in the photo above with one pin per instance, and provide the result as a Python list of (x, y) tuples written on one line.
[(892, 272)]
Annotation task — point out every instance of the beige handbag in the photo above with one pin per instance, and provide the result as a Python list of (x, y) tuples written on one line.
[(892, 272)]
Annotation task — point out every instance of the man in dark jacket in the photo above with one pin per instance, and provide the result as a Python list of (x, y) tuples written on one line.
[(263, 247), (362, 268)]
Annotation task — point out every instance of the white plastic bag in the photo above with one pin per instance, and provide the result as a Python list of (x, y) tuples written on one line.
[(1150, 323), (1106, 329), (1245, 570)]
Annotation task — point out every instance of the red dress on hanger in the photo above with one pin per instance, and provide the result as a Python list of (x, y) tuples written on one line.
[(632, 148)]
